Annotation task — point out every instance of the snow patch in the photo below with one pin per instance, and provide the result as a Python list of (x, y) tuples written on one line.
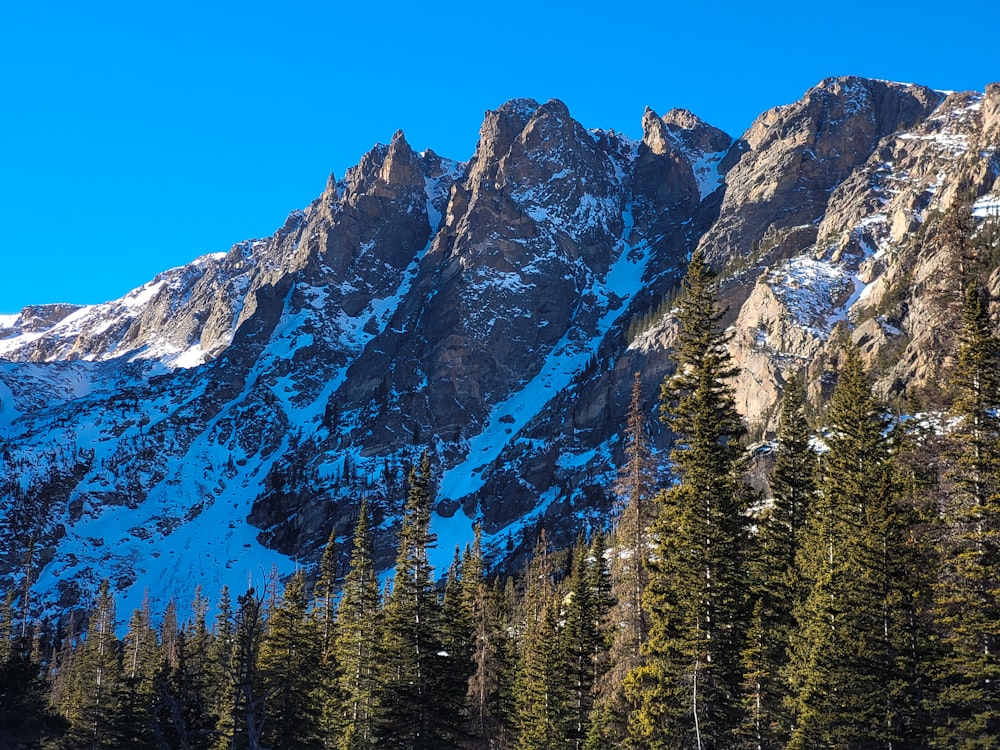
[(569, 357), (706, 172), (988, 205)]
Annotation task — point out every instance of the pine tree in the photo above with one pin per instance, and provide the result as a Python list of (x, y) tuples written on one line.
[(325, 594), (627, 620), (909, 559), (356, 643), (169, 629), (223, 700), (688, 690), (140, 664), (455, 666), (844, 670), (485, 698), (62, 668), (411, 714), (180, 713), (968, 593), (289, 664), (960, 264), (183, 714), (541, 699), (198, 689), (249, 711), (92, 704), (582, 643), (775, 581), (327, 692), (26, 718), (544, 707)]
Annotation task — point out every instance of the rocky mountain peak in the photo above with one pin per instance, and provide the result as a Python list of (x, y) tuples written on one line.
[(792, 158), (402, 165), (387, 170), (991, 111), (240, 405), (655, 135), (37, 318), (695, 133), (500, 128)]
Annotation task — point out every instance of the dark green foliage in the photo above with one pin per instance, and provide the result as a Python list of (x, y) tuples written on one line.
[(413, 711), (92, 702), (26, 718), (356, 643), (967, 597), (222, 697), (837, 672), (488, 701), (626, 622), (249, 711), (141, 663), (289, 665), (455, 666), (688, 690), (850, 676), (541, 688), (325, 593), (327, 694), (776, 585), (181, 712), (581, 640)]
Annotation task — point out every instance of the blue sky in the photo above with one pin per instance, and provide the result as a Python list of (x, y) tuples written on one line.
[(136, 136)]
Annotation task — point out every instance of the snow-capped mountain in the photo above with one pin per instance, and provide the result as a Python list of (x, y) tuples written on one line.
[(225, 417)]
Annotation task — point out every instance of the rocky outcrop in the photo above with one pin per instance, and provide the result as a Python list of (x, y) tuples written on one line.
[(792, 157), (872, 269), (236, 409)]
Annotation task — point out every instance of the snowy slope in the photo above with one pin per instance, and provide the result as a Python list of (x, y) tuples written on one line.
[(225, 418)]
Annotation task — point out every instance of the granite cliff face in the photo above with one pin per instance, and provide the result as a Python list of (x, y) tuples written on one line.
[(226, 416)]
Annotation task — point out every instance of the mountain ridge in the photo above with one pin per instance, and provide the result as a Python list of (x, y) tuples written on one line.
[(479, 309)]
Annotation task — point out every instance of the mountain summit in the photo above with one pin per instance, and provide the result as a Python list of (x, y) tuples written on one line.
[(231, 413)]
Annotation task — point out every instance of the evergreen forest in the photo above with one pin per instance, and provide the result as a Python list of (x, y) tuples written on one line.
[(852, 603)]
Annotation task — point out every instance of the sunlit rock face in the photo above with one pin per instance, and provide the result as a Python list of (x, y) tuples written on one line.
[(230, 414)]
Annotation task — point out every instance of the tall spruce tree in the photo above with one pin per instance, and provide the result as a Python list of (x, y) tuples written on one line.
[(222, 694), (455, 666), (844, 669), (542, 698), (141, 661), (627, 621), (26, 716), (290, 669), (775, 582), (688, 692), (325, 594), (411, 713), (93, 701), (543, 694), (356, 643), (249, 715), (183, 713), (327, 693), (967, 606), (582, 642), (486, 709)]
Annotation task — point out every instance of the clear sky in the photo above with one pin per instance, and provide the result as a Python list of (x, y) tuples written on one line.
[(137, 136)]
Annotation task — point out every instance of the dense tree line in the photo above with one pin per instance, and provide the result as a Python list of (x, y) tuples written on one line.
[(856, 605)]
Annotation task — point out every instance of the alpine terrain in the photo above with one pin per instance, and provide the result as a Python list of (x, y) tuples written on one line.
[(231, 414)]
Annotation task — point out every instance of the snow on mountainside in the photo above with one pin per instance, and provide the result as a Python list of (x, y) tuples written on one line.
[(225, 417), (101, 332)]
